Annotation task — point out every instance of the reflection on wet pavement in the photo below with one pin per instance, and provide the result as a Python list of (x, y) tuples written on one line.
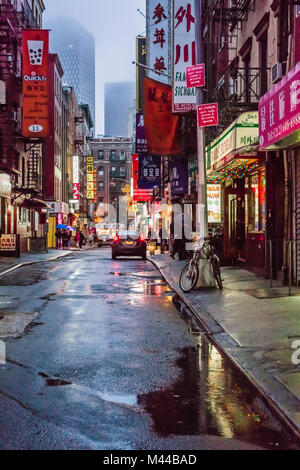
[(210, 398), (119, 327)]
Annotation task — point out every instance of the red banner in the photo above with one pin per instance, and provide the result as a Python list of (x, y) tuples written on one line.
[(139, 195), (35, 54), (162, 127)]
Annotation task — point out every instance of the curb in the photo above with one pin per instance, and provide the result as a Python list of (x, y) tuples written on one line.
[(29, 263), (285, 420)]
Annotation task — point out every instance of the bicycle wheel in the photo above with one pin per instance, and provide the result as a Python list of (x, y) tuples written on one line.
[(189, 277), (217, 272)]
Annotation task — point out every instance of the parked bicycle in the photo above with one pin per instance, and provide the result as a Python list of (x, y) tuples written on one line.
[(190, 274)]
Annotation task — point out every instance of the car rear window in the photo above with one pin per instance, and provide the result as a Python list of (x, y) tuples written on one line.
[(132, 235)]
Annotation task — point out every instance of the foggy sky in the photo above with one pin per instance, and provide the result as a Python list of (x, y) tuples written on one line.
[(115, 24)]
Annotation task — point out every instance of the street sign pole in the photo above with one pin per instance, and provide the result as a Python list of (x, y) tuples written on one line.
[(202, 190)]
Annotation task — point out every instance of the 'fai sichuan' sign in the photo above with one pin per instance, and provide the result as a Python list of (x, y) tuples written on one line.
[(184, 98), (35, 52)]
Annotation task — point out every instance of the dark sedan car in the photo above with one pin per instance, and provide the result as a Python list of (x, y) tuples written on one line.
[(130, 243)]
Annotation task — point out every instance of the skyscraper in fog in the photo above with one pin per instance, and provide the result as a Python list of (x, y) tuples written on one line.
[(119, 101), (76, 49)]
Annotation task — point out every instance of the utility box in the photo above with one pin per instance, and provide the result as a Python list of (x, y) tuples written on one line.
[(37, 245)]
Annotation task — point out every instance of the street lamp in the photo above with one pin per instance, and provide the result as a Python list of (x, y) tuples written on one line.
[(150, 68)]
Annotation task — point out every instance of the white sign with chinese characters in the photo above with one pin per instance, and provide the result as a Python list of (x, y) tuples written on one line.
[(184, 98), (214, 203), (159, 39)]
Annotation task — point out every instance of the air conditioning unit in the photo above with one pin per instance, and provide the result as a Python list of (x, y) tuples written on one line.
[(277, 72)]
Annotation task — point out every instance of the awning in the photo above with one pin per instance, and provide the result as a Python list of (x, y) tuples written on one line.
[(279, 112), (238, 140), (33, 204)]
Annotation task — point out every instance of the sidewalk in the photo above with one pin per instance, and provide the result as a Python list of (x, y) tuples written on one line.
[(254, 331), (11, 264)]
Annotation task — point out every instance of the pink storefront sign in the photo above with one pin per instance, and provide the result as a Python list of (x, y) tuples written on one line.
[(279, 110)]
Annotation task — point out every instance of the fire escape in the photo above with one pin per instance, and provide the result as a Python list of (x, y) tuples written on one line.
[(10, 76), (12, 22), (234, 85)]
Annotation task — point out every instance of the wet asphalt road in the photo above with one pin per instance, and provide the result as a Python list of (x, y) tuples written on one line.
[(108, 363)]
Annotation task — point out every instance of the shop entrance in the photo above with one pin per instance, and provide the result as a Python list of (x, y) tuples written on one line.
[(234, 227), (245, 221)]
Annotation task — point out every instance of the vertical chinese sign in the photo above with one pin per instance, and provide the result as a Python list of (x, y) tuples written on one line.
[(76, 178), (159, 39), (139, 195), (184, 55), (141, 58), (214, 203), (35, 53), (141, 139), (95, 185), (90, 178)]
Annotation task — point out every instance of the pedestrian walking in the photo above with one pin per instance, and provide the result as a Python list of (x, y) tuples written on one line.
[(58, 236), (82, 238), (91, 239), (77, 239), (69, 239), (65, 239)]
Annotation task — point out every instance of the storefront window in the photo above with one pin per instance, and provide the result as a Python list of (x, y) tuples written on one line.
[(256, 202)]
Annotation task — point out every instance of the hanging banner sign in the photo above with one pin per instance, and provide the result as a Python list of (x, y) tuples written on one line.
[(139, 195), (141, 140), (184, 98), (214, 203), (149, 171), (208, 115), (195, 76), (90, 178), (35, 56), (158, 20), (141, 58), (179, 178), (76, 178), (162, 127)]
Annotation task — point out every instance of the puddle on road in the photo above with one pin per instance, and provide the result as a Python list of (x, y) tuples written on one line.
[(56, 382), (211, 398), (116, 274), (119, 398), (147, 287)]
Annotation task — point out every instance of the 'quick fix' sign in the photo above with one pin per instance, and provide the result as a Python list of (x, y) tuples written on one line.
[(35, 55)]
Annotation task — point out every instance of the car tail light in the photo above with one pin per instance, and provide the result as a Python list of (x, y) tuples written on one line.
[(142, 238), (117, 238)]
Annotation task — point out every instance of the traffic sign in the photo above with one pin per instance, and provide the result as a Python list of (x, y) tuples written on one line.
[(195, 76), (208, 115)]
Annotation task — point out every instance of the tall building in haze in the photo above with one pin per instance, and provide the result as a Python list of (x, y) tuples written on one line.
[(119, 102), (75, 47)]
